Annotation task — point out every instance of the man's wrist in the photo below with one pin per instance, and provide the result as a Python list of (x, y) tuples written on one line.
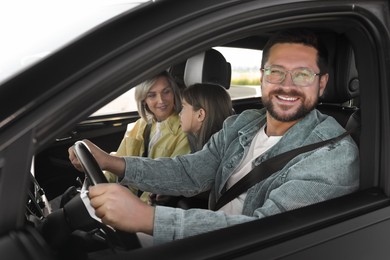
[(149, 220), (115, 164)]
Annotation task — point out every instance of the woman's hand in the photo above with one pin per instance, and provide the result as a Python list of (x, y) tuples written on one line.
[(116, 206)]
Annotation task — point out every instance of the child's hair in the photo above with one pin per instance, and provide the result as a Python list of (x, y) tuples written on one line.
[(216, 101), (142, 90)]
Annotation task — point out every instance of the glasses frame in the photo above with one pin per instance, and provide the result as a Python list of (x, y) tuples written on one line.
[(291, 73)]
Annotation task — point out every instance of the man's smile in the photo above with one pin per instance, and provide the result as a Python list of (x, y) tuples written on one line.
[(286, 98)]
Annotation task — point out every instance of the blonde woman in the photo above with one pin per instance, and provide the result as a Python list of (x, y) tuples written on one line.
[(158, 102)]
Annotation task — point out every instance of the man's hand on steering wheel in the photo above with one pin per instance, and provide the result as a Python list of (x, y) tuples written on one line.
[(104, 160), (110, 208), (97, 153)]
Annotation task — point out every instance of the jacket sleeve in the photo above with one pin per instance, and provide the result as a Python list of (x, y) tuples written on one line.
[(186, 175)]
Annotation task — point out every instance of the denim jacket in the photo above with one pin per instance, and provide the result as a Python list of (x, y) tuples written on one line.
[(327, 172)]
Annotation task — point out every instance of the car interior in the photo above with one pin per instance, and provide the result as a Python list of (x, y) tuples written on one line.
[(52, 103), (55, 174)]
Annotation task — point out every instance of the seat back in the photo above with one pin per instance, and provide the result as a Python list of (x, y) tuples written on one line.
[(177, 73), (354, 125), (208, 67), (341, 95)]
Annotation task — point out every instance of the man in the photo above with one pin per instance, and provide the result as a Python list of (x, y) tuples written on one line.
[(293, 76)]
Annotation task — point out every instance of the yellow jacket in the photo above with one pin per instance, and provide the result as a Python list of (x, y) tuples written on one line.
[(172, 142)]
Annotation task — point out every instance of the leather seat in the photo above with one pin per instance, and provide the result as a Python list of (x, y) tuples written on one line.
[(208, 67), (354, 125), (341, 96)]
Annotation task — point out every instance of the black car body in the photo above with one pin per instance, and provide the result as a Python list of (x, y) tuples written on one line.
[(47, 102)]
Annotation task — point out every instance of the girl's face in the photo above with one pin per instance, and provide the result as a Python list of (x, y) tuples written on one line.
[(160, 99), (191, 121)]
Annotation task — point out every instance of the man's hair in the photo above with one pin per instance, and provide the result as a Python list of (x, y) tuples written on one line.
[(216, 101), (142, 90), (300, 36)]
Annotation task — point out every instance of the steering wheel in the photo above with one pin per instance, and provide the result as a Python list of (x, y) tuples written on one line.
[(94, 175), (91, 168)]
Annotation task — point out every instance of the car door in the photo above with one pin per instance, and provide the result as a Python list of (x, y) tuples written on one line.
[(106, 127), (350, 227)]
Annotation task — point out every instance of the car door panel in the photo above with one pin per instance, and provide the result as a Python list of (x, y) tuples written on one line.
[(53, 169)]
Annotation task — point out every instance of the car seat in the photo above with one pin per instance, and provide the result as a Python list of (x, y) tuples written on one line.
[(208, 67), (340, 98)]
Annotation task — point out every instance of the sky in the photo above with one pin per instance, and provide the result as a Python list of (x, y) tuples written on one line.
[(32, 29)]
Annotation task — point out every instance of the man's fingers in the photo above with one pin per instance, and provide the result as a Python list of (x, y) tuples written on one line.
[(98, 189), (73, 159)]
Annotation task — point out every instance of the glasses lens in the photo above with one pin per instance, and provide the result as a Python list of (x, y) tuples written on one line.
[(303, 77), (274, 75)]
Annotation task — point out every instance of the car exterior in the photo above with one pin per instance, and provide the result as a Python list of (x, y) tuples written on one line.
[(42, 107)]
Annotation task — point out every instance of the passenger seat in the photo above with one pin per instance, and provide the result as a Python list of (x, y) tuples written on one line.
[(208, 67)]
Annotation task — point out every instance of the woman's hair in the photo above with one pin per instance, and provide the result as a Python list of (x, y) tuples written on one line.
[(216, 101), (142, 90)]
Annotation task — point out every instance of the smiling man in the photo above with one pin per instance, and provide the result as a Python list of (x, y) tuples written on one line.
[(293, 76)]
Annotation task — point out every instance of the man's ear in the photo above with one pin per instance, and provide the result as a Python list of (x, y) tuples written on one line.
[(201, 114), (323, 81)]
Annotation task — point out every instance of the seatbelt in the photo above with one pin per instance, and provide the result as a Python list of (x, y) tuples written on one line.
[(148, 127), (266, 168), (146, 135)]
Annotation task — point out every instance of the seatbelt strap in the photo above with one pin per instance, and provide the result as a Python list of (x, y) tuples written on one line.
[(148, 127), (266, 168), (146, 135)]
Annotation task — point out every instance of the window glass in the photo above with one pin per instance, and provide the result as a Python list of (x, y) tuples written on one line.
[(245, 82), (122, 104)]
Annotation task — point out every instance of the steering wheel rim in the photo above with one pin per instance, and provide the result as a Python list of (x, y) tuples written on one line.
[(88, 162), (95, 176)]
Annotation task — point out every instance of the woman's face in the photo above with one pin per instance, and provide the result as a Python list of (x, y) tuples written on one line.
[(160, 99), (191, 121)]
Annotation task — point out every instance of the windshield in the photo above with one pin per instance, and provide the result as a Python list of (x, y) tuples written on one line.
[(31, 30)]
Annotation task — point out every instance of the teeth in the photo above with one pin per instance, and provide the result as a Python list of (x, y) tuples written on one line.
[(287, 98)]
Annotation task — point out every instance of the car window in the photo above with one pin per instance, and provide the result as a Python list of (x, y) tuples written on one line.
[(245, 81)]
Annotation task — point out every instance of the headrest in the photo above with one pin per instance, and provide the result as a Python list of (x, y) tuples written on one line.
[(208, 67), (177, 73), (343, 84)]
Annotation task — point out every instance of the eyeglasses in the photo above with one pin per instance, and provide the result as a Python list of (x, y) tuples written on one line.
[(301, 77)]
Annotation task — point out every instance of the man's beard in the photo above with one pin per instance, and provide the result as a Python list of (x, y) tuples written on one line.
[(304, 109)]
